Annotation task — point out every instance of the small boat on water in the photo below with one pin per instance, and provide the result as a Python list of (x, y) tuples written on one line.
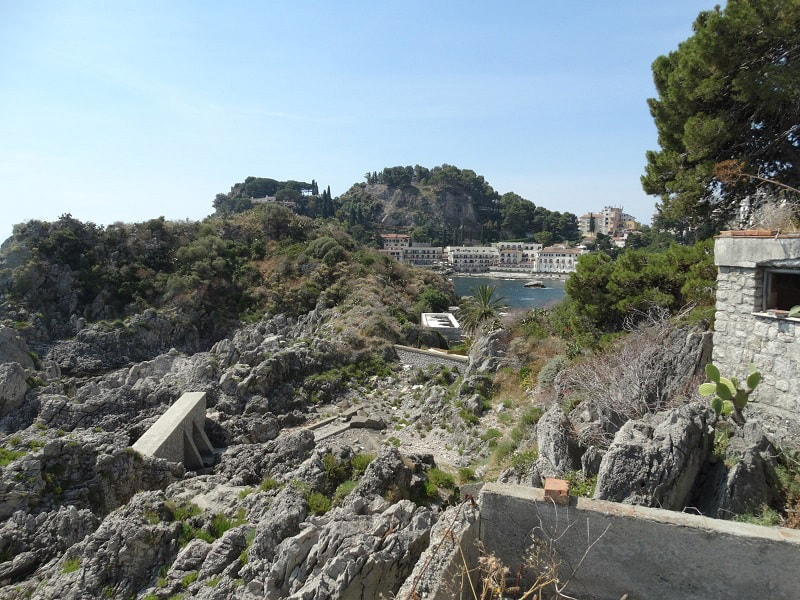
[(534, 283)]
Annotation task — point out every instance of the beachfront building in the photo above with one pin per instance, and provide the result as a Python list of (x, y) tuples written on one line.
[(516, 254), (422, 255), (399, 247), (557, 259), (471, 259)]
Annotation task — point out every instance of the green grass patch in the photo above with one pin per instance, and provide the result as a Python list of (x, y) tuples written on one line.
[(7, 456), (465, 475), (71, 565), (268, 484), (189, 579), (441, 479), (766, 517), (579, 485)]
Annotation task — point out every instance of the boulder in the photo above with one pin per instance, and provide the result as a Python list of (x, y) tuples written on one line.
[(486, 353), (14, 349), (13, 386), (745, 480), (558, 449), (655, 461)]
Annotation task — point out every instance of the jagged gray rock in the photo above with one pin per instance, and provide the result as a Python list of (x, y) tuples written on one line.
[(141, 337), (486, 354), (745, 480), (34, 539), (348, 556), (655, 461), (13, 386), (249, 464), (13, 348), (119, 558), (558, 449), (224, 551), (94, 470)]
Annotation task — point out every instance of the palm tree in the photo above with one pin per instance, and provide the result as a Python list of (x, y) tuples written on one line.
[(481, 311)]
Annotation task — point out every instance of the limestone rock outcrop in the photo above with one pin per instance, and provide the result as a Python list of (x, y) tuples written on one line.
[(655, 461)]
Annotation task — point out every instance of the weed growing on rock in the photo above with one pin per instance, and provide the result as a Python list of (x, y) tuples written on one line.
[(360, 462), (7, 456), (268, 484), (318, 503), (523, 459), (189, 579), (71, 565), (342, 490), (580, 485)]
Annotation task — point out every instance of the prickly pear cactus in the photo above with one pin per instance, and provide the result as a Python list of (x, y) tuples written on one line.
[(729, 398)]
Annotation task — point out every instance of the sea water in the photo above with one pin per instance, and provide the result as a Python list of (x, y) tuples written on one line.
[(514, 291)]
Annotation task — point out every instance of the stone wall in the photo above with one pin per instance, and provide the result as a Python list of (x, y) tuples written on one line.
[(744, 333)]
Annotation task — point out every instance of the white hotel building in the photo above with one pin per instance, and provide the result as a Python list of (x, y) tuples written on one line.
[(518, 256)]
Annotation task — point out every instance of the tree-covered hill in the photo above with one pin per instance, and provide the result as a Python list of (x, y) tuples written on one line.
[(447, 205), (204, 277)]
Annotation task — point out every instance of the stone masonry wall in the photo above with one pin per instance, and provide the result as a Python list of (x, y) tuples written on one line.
[(741, 338)]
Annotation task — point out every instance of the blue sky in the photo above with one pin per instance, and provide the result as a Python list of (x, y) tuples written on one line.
[(126, 111)]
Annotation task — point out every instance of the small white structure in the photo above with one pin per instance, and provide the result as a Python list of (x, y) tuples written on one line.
[(443, 323)]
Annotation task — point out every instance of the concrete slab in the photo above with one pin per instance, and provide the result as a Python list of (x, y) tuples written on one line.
[(178, 435)]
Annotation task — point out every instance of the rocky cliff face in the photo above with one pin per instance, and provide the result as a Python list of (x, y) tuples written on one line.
[(401, 206)]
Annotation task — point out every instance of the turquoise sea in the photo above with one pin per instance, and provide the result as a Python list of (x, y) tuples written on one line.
[(514, 290)]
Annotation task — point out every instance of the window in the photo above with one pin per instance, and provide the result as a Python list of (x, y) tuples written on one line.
[(781, 289)]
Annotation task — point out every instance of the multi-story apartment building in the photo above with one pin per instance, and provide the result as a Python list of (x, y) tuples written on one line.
[(476, 259), (394, 244), (398, 246), (610, 221), (422, 255)]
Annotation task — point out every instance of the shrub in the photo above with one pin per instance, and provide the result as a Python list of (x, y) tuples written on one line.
[(360, 462), (342, 490), (465, 475), (504, 448), (523, 459), (189, 579), (553, 367), (318, 503), (7, 456), (580, 485), (491, 436)]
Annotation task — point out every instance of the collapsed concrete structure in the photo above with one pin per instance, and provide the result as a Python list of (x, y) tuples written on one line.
[(604, 550), (178, 435)]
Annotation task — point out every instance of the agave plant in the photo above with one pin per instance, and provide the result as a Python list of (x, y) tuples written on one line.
[(728, 397)]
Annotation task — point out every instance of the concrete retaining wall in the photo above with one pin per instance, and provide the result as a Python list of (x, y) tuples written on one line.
[(646, 553), (178, 435)]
